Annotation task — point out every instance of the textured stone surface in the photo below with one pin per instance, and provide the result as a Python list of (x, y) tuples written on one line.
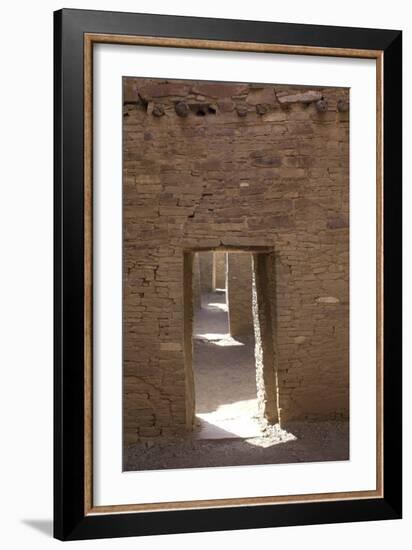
[(303, 97), (239, 294), (196, 296), (206, 272), (278, 180), (219, 270), (264, 321)]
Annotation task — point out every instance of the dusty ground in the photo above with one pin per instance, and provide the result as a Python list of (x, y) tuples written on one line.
[(229, 432), (315, 442), (224, 373)]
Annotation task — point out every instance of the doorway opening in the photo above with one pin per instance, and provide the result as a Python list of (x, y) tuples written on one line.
[(231, 371)]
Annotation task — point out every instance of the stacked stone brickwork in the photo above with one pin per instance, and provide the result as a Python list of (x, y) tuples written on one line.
[(219, 270), (196, 287), (226, 166), (206, 272), (239, 294)]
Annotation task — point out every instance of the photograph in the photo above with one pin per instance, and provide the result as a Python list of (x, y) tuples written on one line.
[(203, 273), (227, 274), (235, 273)]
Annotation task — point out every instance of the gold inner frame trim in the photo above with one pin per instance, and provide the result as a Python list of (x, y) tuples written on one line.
[(89, 40)]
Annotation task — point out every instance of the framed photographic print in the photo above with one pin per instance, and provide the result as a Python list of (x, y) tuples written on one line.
[(227, 274)]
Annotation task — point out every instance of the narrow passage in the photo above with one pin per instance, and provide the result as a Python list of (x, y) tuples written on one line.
[(224, 372)]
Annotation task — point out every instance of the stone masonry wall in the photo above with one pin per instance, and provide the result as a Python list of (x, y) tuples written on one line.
[(239, 294), (219, 270), (209, 165), (206, 272), (196, 290)]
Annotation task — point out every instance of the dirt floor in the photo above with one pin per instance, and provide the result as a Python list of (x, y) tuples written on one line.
[(224, 373), (229, 432), (314, 442)]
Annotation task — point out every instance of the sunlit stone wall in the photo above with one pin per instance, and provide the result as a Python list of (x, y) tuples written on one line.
[(234, 165)]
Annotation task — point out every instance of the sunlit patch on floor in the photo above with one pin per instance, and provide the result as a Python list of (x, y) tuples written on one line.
[(218, 339), (272, 435), (221, 306), (240, 420)]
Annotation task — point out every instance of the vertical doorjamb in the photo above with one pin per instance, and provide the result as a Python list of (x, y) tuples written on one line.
[(263, 321), (187, 336)]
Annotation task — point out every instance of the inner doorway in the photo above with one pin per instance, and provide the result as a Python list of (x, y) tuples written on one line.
[(224, 363)]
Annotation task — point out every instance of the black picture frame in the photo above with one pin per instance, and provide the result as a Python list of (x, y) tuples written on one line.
[(70, 520)]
